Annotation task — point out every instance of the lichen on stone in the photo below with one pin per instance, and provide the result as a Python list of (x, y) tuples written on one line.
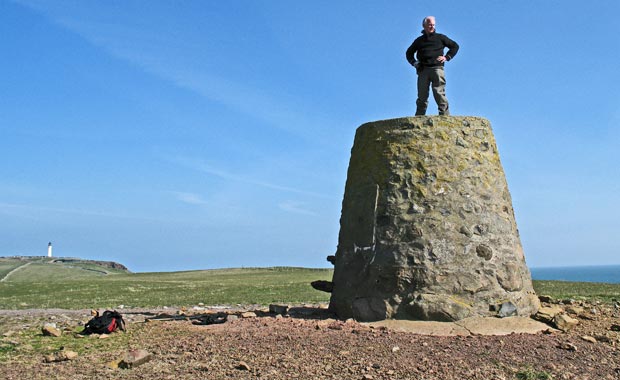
[(426, 216)]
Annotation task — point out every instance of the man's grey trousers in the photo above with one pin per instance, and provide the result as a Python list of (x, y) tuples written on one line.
[(436, 78)]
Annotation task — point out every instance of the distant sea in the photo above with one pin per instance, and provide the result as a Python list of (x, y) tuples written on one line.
[(606, 273)]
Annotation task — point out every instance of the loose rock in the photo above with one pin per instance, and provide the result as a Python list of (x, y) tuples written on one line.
[(50, 329), (575, 310), (243, 366), (135, 358), (61, 356), (547, 313), (567, 346), (564, 322), (588, 338)]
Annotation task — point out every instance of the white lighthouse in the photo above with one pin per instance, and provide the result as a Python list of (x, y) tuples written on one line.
[(49, 249)]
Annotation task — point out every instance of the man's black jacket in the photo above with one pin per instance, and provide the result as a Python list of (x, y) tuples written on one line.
[(429, 47)]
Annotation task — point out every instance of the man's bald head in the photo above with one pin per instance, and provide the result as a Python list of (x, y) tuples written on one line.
[(429, 24)]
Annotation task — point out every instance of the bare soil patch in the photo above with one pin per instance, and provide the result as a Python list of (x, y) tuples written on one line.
[(310, 344)]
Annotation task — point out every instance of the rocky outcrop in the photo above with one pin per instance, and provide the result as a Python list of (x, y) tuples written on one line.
[(427, 229), (104, 264)]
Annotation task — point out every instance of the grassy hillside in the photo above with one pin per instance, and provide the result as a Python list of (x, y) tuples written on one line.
[(7, 265), (43, 283)]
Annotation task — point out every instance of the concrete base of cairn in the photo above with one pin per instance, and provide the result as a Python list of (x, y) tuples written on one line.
[(427, 229)]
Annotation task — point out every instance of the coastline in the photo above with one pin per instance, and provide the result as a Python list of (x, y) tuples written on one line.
[(591, 273)]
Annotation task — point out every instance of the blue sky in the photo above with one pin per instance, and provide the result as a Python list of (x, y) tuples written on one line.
[(174, 135)]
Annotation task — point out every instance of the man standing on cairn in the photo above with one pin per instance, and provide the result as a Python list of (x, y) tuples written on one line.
[(429, 65)]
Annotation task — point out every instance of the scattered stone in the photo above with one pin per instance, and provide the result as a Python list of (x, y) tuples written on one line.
[(8, 333), (243, 366), (278, 309), (575, 310), (395, 349), (135, 358), (567, 346), (547, 313), (248, 314), (367, 377), (564, 322), (61, 356), (588, 338), (50, 329), (70, 355), (104, 336)]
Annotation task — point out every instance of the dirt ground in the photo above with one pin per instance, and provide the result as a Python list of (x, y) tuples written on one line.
[(309, 343)]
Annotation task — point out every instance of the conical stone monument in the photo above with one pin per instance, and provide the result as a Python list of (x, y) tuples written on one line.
[(427, 230)]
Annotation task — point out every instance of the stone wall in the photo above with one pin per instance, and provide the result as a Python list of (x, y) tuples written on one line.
[(427, 228)]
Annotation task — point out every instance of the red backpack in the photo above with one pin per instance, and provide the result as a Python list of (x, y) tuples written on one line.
[(106, 323)]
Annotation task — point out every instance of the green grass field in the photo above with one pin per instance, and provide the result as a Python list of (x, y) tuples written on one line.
[(78, 286), (84, 285)]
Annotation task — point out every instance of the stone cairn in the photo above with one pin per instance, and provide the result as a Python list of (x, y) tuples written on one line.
[(427, 230)]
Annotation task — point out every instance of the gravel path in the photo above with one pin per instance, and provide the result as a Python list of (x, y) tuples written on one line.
[(3, 279)]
